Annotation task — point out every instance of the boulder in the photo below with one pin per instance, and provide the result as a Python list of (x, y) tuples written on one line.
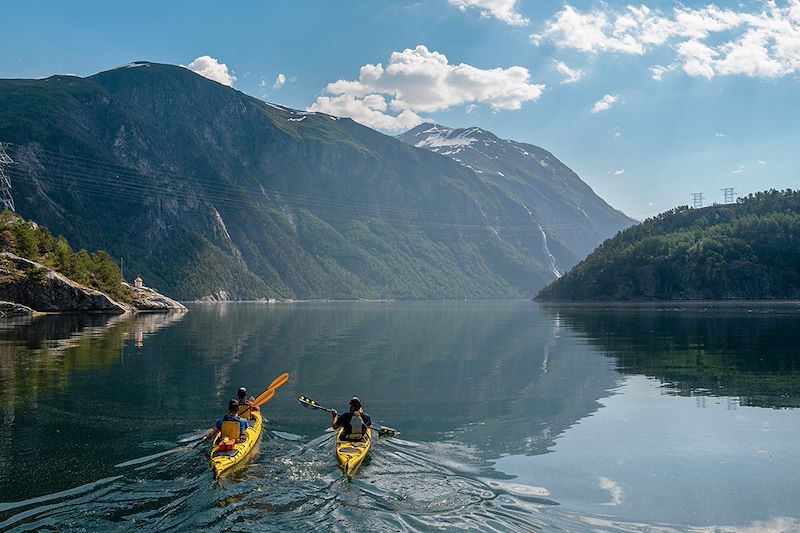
[(148, 300), (8, 309)]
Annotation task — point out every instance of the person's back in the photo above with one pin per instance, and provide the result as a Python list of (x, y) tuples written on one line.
[(245, 406), (230, 425), (355, 422)]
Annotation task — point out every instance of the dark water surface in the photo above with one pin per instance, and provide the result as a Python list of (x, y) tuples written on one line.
[(513, 417)]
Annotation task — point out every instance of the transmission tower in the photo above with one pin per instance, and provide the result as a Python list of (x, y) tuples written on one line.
[(729, 195), (697, 200), (6, 199)]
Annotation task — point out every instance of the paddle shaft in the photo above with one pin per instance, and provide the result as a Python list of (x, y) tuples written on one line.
[(308, 403), (263, 398)]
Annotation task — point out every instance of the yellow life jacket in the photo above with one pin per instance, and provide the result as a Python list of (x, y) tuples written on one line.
[(244, 409), (231, 429)]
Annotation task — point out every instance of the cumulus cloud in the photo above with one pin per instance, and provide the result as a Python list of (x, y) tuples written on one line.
[(504, 10), (762, 162), (210, 68), (421, 81), (738, 170), (605, 103), (718, 134), (707, 41), (619, 172), (280, 81), (569, 75)]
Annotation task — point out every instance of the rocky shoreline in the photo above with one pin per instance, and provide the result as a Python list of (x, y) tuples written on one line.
[(27, 287)]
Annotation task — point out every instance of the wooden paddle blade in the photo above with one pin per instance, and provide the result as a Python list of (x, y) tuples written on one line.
[(264, 397), (280, 380)]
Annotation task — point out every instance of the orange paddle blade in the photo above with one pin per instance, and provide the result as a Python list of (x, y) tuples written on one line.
[(264, 397), (280, 380)]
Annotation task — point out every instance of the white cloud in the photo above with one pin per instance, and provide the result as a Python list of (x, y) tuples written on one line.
[(504, 10), (708, 41), (619, 172), (570, 75), (605, 103), (718, 134), (762, 162), (210, 68), (280, 81), (738, 170), (421, 81), (657, 71), (614, 490)]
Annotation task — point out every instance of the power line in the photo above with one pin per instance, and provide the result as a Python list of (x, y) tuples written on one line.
[(122, 182)]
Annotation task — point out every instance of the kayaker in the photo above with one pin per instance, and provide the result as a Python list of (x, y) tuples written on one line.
[(231, 425), (245, 405), (355, 422)]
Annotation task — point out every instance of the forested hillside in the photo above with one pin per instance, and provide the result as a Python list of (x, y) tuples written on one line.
[(747, 250)]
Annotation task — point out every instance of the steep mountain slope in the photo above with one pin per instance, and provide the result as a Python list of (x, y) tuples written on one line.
[(748, 250), (207, 192), (571, 219)]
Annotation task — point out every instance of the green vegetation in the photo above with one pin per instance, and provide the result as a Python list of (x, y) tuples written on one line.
[(96, 270), (747, 250)]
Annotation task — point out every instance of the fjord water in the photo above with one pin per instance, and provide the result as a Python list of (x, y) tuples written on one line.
[(513, 417)]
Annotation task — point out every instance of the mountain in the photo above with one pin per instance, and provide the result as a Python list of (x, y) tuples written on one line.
[(207, 192), (570, 219), (747, 250)]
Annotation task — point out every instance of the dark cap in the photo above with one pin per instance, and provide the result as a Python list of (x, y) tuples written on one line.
[(355, 402), (233, 405), (242, 392)]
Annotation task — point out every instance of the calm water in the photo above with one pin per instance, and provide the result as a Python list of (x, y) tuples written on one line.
[(513, 417)]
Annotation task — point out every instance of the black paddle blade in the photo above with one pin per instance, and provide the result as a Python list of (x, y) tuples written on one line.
[(383, 431), (308, 402)]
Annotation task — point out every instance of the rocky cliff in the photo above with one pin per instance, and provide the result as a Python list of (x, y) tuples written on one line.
[(40, 288)]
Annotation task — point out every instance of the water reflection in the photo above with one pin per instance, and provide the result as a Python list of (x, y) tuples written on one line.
[(512, 417), (748, 351)]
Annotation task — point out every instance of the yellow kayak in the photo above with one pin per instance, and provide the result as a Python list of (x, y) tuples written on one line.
[(351, 453), (222, 460)]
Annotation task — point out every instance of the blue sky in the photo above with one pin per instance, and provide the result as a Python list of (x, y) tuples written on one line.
[(686, 97)]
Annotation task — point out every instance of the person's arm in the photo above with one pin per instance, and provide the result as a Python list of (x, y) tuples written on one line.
[(335, 420), (367, 420)]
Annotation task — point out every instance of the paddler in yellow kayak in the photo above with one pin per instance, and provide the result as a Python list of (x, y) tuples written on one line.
[(355, 422), (230, 425), (245, 405)]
